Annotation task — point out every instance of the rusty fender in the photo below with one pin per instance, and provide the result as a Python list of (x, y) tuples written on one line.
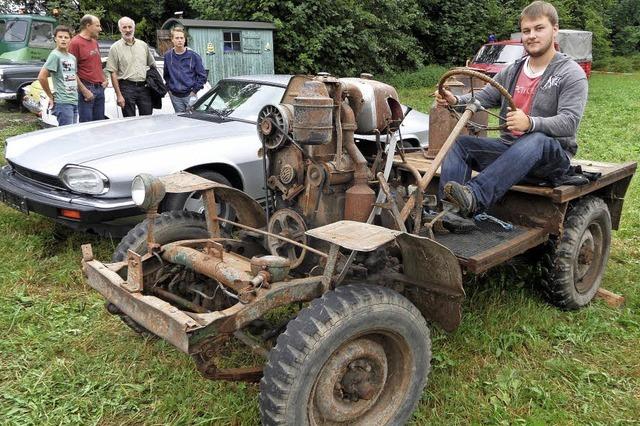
[(185, 329)]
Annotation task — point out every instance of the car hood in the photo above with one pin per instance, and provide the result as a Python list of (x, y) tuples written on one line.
[(47, 151)]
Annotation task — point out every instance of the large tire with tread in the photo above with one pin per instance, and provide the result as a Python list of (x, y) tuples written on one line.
[(168, 227), (358, 355), (578, 259)]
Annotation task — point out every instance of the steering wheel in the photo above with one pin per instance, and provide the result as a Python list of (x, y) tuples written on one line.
[(475, 74)]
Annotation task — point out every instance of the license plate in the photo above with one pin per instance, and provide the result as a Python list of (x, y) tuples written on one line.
[(15, 201)]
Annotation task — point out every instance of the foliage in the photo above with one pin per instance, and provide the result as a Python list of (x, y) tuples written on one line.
[(623, 64), (344, 37), (625, 19)]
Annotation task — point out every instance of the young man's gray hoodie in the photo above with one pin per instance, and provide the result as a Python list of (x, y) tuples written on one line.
[(558, 103)]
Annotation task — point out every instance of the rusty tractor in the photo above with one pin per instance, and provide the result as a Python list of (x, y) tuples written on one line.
[(334, 282)]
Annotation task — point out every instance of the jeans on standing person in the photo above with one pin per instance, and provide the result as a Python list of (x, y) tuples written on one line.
[(533, 155), (65, 113), (94, 109), (180, 103), (135, 94)]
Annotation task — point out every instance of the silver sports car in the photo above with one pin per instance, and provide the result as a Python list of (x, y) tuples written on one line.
[(80, 175)]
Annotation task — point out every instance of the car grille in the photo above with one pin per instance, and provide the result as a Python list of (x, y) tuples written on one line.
[(38, 177)]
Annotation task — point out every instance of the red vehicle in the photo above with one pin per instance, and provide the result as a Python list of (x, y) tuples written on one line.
[(493, 57)]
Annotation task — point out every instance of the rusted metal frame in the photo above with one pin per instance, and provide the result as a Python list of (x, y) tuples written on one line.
[(269, 234), (330, 266), (613, 195), (211, 212), (433, 167), (404, 279), (154, 314), (391, 202), (135, 273), (228, 271), (180, 301), (280, 294), (151, 218), (505, 251)]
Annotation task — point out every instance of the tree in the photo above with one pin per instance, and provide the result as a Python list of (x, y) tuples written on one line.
[(344, 37)]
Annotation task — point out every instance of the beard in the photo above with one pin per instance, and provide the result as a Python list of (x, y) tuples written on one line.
[(543, 49)]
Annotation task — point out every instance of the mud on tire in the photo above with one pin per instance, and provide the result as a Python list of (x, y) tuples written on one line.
[(576, 262), (345, 359)]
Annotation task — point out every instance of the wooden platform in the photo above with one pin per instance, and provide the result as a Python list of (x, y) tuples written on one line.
[(611, 172)]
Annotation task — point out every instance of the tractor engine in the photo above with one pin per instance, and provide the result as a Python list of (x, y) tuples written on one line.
[(315, 169)]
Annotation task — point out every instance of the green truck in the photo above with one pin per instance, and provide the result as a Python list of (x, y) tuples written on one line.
[(26, 37)]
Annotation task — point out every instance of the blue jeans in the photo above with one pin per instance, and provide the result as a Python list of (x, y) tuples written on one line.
[(533, 155), (93, 109), (65, 113), (180, 104)]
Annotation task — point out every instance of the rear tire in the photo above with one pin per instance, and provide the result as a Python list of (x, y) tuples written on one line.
[(579, 258), (358, 355)]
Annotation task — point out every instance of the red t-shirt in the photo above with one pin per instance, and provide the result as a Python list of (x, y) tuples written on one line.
[(523, 93), (87, 55)]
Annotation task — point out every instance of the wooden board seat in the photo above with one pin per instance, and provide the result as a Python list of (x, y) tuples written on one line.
[(611, 172)]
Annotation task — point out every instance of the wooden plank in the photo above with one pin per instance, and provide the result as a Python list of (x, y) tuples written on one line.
[(505, 251), (610, 298), (611, 172)]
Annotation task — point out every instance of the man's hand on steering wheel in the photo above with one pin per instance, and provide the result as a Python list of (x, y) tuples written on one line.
[(447, 99), (518, 121)]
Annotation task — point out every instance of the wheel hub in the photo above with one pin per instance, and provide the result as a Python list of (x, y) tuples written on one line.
[(351, 381)]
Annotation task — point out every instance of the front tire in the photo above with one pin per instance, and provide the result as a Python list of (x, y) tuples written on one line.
[(359, 355), (580, 256)]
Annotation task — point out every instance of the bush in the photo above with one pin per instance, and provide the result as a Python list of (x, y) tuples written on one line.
[(427, 76), (618, 64)]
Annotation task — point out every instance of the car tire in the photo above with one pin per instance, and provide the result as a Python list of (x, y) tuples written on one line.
[(167, 227), (358, 355), (577, 261), (192, 201)]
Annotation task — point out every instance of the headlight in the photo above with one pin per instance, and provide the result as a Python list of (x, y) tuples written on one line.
[(147, 191), (84, 180)]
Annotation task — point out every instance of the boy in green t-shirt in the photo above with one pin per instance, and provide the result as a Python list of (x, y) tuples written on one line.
[(61, 66)]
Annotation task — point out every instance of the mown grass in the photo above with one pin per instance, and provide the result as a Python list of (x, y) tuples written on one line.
[(515, 359)]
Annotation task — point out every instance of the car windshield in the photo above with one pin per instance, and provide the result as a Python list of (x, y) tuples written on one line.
[(499, 53), (15, 30), (239, 99)]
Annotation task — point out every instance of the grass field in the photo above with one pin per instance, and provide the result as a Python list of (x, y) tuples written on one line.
[(515, 359)]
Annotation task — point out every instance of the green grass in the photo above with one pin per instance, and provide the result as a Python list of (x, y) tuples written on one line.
[(515, 359)]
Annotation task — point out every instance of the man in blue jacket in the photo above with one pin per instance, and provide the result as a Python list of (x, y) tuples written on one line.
[(184, 73), (549, 90)]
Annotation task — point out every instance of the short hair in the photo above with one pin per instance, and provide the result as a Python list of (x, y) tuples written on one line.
[(178, 30), (62, 29), (87, 20), (538, 9), (124, 19)]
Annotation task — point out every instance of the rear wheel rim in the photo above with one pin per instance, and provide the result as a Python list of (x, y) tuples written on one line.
[(588, 260)]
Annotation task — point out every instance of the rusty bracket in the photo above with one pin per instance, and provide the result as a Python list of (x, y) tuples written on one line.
[(135, 281), (391, 202), (214, 249)]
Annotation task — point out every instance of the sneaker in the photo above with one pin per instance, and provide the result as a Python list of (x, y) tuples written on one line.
[(461, 196)]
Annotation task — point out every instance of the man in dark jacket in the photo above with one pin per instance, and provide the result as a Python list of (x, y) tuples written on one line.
[(550, 93), (183, 72)]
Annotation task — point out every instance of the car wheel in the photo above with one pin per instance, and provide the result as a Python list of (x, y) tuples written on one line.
[(359, 355), (578, 259), (192, 202)]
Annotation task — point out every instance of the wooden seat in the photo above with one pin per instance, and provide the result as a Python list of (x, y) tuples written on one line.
[(611, 172)]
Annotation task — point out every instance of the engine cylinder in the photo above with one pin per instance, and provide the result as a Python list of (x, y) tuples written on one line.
[(313, 115)]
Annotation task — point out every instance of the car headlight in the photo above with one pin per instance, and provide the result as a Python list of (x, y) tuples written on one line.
[(147, 191), (84, 180)]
